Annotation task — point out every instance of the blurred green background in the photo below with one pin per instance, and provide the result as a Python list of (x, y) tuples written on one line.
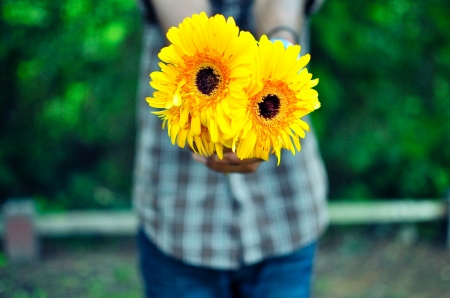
[(68, 86)]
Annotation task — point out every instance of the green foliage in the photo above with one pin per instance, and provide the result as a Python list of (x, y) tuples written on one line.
[(384, 123), (3, 260), (69, 72), (69, 76)]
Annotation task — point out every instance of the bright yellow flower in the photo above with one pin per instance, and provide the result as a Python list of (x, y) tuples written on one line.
[(201, 143), (275, 107), (204, 77)]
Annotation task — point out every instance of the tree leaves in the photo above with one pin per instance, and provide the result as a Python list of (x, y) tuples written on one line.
[(385, 118), (67, 110)]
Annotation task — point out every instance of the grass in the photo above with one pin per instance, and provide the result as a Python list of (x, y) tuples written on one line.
[(350, 265)]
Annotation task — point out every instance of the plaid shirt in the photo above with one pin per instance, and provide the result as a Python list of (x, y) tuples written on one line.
[(222, 221)]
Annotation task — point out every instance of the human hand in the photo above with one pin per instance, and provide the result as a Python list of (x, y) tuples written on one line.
[(229, 164)]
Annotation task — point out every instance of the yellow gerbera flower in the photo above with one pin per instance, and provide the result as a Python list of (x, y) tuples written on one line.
[(274, 108), (204, 77), (200, 143)]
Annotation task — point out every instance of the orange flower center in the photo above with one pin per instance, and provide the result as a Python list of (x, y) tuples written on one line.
[(272, 107), (207, 78)]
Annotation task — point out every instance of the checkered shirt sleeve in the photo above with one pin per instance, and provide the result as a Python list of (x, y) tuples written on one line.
[(222, 221)]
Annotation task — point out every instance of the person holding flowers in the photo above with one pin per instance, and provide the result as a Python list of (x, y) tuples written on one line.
[(223, 213)]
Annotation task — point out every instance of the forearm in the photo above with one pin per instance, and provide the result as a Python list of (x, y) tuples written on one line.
[(172, 12), (270, 14)]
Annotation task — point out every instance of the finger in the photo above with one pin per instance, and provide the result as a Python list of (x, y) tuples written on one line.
[(234, 160), (233, 168), (199, 158), (216, 158)]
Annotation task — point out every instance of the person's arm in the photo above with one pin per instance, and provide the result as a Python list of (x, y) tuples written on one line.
[(279, 18), (170, 13)]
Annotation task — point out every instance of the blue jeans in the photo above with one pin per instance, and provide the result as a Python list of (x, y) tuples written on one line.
[(284, 277)]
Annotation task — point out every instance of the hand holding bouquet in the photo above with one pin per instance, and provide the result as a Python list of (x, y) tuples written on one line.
[(220, 88)]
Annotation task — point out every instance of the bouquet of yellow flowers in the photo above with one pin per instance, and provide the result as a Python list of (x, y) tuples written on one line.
[(220, 88)]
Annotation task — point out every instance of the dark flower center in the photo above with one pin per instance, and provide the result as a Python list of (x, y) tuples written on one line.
[(269, 107), (207, 80)]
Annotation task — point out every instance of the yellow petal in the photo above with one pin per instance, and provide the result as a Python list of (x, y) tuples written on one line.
[(182, 135), (177, 96), (184, 115), (247, 146), (196, 126), (199, 144), (173, 132), (224, 124), (213, 130), (225, 107), (298, 129), (278, 154), (219, 150), (169, 55), (297, 143)]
